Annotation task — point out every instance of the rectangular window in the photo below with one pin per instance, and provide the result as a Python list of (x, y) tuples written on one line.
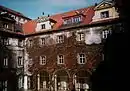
[(20, 61), (20, 82), (30, 82), (5, 85), (60, 39), (5, 25), (30, 43), (60, 59), (43, 26), (105, 14), (20, 42), (106, 33), (67, 21), (81, 36), (81, 58), (42, 60), (5, 64), (5, 41), (72, 20), (76, 19), (43, 41)]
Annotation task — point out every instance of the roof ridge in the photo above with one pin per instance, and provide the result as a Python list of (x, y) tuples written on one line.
[(72, 10), (13, 11)]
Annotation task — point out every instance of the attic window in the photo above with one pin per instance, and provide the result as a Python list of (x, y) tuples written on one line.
[(43, 26), (5, 25), (105, 14), (72, 20)]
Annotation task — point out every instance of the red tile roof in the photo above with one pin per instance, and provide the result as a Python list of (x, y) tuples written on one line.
[(29, 27), (2, 8)]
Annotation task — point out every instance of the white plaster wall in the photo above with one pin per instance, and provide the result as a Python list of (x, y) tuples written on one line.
[(13, 41), (93, 36), (47, 26)]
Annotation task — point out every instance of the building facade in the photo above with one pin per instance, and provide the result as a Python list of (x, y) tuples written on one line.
[(64, 49), (57, 52), (11, 50)]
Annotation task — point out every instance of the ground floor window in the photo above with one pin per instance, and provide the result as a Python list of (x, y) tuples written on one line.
[(20, 82), (4, 85)]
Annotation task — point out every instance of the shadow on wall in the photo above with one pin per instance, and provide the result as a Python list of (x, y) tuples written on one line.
[(7, 69), (111, 74)]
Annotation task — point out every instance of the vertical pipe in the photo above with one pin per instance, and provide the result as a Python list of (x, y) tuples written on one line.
[(38, 82), (55, 82)]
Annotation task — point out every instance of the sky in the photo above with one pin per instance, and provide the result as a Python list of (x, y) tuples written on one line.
[(34, 8)]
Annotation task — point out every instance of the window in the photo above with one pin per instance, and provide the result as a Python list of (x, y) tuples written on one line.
[(72, 20), (81, 58), (5, 25), (60, 39), (5, 41), (42, 60), (67, 21), (60, 59), (30, 43), (43, 41), (76, 19), (105, 14), (5, 85), (20, 43), (106, 33), (102, 56), (43, 26), (30, 82), (5, 64), (20, 82), (81, 36), (20, 61)]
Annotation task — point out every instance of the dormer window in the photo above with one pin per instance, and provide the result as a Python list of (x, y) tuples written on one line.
[(105, 14), (5, 25), (76, 19), (72, 20), (43, 26), (60, 39)]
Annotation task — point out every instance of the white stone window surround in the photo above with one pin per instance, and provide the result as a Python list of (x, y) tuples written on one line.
[(81, 58), (60, 59), (43, 60), (5, 61)]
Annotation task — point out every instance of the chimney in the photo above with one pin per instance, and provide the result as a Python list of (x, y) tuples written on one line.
[(42, 13), (95, 4), (48, 15)]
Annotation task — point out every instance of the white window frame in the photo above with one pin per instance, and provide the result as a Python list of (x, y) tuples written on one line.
[(60, 39), (5, 25), (5, 62), (81, 58), (20, 82), (30, 43), (60, 59), (5, 41), (106, 33), (104, 15), (42, 60), (81, 36), (20, 61), (20, 42), (5, 85), (42, 41), (42, 26), (77, 19)]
